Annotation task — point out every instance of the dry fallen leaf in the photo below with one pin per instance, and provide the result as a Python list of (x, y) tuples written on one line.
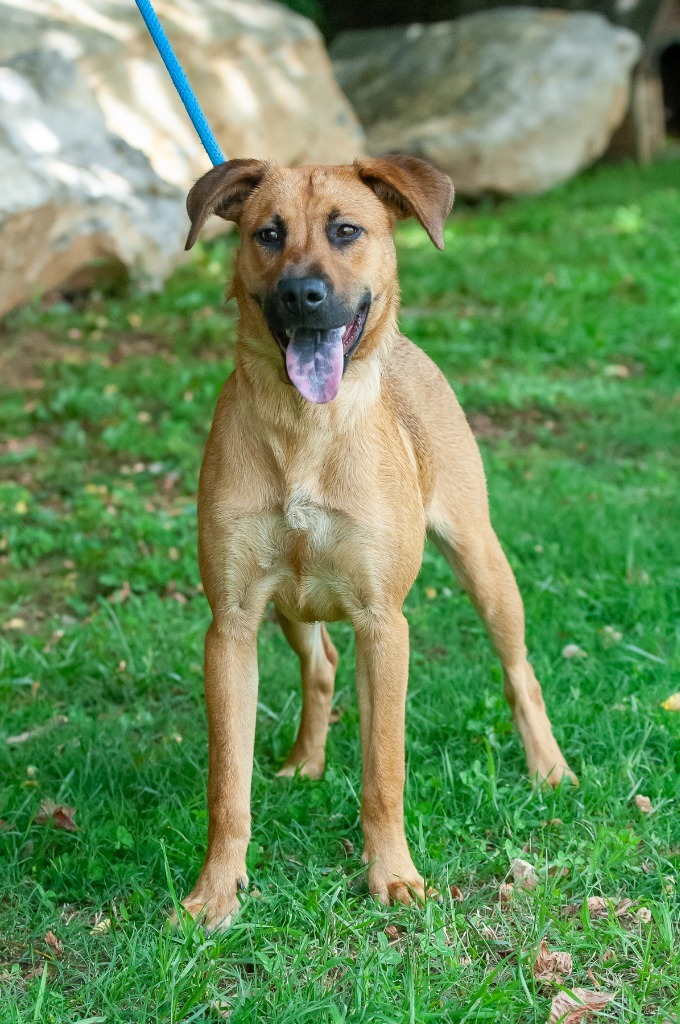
[(643, 914), (505, 891), (122, 595), (574, 651), (30, 734), (572, 1007), (643, 804), (15, 623), (455, 892), (221, 1007), (549, 966), (672, 703), (348, 847), (102, 927), (524, 874), (60, 815), (623, 907), (598, 906), (53, 942), (392, 932), (617, 370), (610, 636)]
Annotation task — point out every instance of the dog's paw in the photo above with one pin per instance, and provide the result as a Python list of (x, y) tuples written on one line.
[(312, 767), (553, 775), (214, 908), (394, 880)]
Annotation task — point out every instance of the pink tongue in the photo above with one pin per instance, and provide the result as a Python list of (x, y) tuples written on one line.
[(314, 360)]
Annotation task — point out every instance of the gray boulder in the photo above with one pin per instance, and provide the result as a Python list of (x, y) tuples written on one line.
[(260, 72), (512, 100), (76, 201)]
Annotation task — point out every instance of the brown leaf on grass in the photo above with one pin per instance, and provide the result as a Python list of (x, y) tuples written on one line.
[(392, 933), (30, 734), (456, 894), (577, 1005), (221, 1008), (549, 966), (573, 651), (53, 942), (102, 927), (598, 906), (623, 907), (506, 891), (617, 370), (122, 595), (643, 804), (54, 639), (672, 703), (15, 623), (524, 874), (643, 914), (172, 592), (60, 815), (348, 847)]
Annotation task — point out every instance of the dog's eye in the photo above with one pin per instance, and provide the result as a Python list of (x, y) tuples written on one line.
[(344, 232), (269, 236)]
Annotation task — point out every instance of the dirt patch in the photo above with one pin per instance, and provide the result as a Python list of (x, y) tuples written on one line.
[(521, 426), (22, 356)]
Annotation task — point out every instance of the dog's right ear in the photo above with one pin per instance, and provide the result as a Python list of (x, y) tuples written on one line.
[(222, 191)]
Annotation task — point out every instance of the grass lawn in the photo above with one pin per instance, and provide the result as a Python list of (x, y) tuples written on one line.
[(557, 320)]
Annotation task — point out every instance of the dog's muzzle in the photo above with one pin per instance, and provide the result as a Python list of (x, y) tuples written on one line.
[(316, 332)]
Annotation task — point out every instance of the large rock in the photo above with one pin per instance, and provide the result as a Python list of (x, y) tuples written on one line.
[(260, 72), (509, 101), (75, 200)]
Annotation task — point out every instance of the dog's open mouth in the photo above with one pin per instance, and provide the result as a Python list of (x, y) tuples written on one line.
[(317, 358)]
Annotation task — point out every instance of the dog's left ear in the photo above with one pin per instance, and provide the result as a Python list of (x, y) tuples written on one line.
[(411, 188), (222, 191)]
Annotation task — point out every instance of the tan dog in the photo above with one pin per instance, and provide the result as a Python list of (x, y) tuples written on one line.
[(336, 445)]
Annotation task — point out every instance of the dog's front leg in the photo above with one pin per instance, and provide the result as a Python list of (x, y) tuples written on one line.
[(382, 676), (231, 700)]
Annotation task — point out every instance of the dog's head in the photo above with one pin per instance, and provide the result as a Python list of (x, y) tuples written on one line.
[(316, 260)]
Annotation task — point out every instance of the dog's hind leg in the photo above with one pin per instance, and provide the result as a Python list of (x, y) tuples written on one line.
[(318, 661), (475, 554)]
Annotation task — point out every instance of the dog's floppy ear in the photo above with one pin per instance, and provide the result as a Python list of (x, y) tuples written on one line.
[(222, 191), (411, 188)]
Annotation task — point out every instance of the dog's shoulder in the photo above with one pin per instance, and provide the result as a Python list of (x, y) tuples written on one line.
[(398, 393)]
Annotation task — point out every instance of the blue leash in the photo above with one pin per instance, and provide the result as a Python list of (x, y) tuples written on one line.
[(180, 81)]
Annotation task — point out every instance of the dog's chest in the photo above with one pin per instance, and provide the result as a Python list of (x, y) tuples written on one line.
[(305, 507), (307, 517), (314, 539)]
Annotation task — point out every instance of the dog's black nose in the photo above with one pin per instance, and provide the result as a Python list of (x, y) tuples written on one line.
[(302, 294)]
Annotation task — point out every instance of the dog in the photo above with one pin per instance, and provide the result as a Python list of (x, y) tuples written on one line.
[(336, 446)]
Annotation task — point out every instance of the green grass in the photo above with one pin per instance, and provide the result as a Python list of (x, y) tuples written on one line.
[(557, 319)]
